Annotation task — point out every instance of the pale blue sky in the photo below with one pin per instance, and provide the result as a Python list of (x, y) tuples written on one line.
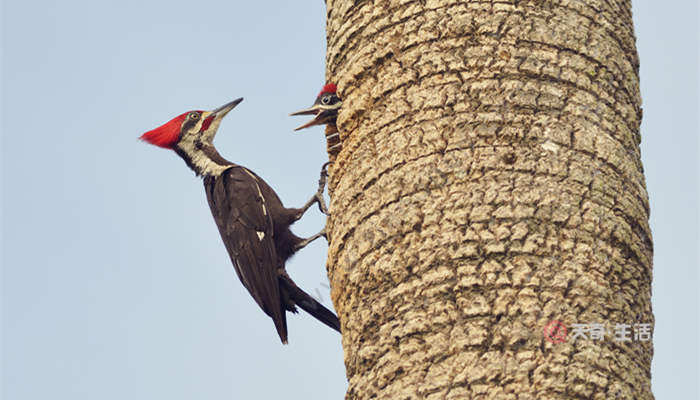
[(115, 283)]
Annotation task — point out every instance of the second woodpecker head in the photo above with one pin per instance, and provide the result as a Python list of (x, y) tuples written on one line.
[(325, 108), (191, 136)]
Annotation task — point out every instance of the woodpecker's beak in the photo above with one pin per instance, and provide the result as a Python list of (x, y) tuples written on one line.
[(307, 111), (212, 120), (223, 110), (323, 115)]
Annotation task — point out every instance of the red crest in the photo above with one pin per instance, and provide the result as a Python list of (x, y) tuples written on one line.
[(167, 134), (328, 88)]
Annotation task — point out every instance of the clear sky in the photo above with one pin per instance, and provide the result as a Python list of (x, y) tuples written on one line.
[(115, 283)]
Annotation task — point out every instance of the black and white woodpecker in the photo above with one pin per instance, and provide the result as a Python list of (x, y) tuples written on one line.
[(252, 221), (325, 109)]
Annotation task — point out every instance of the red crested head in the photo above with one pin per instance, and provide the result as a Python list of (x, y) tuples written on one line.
[(167, 134), (328, 88), (191, 136)]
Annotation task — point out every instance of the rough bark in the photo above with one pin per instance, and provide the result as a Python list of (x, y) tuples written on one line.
[(489, 182)]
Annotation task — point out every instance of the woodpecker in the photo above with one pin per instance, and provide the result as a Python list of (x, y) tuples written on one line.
[(326, 108), (252, 221)]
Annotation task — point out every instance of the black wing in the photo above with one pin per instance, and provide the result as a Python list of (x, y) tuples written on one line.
[(245, 225)]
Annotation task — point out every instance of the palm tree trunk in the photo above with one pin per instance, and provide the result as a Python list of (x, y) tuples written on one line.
[(489, 183)]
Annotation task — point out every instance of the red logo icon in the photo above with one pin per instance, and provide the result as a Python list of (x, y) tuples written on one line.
[(555, 332)]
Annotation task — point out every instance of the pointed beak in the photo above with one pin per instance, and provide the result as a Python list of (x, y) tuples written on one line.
[(322, 116), (213, 119), (307, 111), (316, 121), (223, 110)]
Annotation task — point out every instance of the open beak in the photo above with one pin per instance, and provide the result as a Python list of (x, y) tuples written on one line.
[(322, 116)]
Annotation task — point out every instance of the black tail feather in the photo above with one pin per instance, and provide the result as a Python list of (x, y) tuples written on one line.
[(309, 304)]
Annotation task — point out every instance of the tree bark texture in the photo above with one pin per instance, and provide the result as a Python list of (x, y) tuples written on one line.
[(489, 182)]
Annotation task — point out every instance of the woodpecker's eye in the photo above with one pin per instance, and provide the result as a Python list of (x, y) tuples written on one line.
[(194, 116), (326, 100)]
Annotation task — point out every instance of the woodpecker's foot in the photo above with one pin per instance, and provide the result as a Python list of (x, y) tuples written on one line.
[(321, 203), (306, 242), (317, 198)]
